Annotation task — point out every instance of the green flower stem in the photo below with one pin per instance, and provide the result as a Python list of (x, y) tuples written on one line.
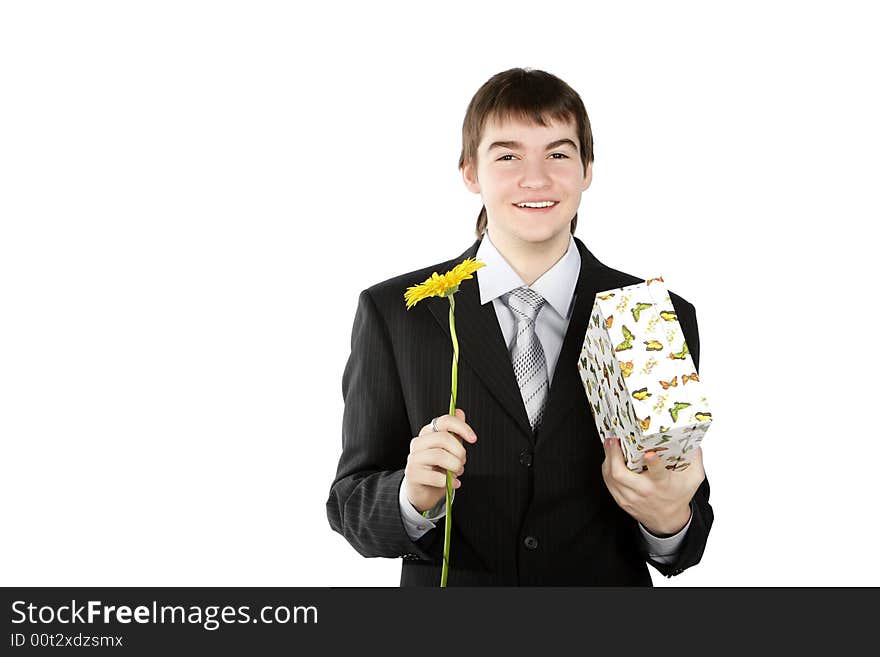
[(449, 476)]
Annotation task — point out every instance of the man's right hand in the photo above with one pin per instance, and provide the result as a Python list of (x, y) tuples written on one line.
[(431, 454)]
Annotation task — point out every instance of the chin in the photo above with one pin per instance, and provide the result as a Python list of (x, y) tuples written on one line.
[(536, 237), (532, 229), (541, 232)]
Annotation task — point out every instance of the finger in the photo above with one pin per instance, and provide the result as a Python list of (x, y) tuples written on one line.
[(438, 457), (615, 490), (451, 424), (429, 427), (427, 476), (456, 425), (427, 472), (618, 492), (615, 458), (455, 477), (618, 470), (656, 467), (441, 440), (696, 470), (698, 457)]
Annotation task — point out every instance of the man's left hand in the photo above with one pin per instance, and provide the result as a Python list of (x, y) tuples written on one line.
[(659, 499)]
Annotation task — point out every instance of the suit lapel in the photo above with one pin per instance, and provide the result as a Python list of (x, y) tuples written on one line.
[(481, 342), (567, 387)]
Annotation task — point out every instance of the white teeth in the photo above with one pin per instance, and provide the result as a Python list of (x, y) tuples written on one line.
[(542, 204)]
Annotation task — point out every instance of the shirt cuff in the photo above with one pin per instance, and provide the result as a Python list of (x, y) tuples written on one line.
[(417, 524), (665, 550)]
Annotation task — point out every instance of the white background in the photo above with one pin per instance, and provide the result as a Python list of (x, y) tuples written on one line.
[(192, 195)]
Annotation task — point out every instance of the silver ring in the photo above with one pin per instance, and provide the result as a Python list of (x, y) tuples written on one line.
[(434, 425)]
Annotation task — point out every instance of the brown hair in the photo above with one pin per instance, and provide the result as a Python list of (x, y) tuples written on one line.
[(531, 96)]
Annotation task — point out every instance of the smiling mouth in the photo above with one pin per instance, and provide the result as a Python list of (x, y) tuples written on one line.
[(542, 207)]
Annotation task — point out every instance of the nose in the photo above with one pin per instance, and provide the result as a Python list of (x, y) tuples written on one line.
[(534, 175)]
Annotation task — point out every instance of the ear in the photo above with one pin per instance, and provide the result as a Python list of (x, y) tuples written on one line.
[(588, 176), (469, 175)]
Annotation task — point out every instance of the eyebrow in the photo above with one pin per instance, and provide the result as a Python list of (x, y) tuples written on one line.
[(516, 144)]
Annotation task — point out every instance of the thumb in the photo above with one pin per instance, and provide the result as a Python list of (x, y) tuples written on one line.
[(459, 411)]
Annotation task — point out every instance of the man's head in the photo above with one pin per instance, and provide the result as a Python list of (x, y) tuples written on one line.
[(526, 136)]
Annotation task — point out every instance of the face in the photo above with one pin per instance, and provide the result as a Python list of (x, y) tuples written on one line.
[(521, 162)]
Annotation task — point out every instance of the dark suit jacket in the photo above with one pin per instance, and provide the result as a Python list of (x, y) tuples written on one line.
[(532, 509)]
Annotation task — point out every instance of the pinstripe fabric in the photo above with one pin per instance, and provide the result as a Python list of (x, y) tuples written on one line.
[(527, 354), (529, 511)]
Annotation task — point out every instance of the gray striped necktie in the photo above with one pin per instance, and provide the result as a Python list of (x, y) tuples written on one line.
[(526, 352)]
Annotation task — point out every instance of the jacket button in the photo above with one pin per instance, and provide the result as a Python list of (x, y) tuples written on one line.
[(531, 542), (525, 458)]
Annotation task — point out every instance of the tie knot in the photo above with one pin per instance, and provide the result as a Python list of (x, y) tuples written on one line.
[(524, 302)]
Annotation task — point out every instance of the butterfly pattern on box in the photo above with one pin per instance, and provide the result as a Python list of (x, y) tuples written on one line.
[(640, 380)]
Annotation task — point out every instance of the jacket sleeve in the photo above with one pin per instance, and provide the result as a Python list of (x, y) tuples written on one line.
[(691, 549), (363, 504)]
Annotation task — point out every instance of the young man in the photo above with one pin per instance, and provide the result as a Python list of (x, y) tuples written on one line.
[(541, 501)]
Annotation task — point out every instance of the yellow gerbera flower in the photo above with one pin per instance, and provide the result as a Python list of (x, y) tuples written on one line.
[(442, 286)]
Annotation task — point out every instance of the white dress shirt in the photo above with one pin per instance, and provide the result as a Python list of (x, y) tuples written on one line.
[(557, 286)]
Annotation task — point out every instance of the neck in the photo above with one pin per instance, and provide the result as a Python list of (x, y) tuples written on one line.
[(531, 259)]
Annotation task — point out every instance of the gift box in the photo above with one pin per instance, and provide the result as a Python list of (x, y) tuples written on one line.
[(639, 377)]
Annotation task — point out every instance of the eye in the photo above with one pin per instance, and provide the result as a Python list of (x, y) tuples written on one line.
[(562, 155)]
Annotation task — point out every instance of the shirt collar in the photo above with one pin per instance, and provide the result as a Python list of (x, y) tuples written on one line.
[(556, 285)]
